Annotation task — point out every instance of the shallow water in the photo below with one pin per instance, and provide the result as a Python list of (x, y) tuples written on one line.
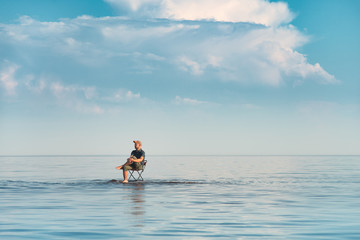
[(182, 197)]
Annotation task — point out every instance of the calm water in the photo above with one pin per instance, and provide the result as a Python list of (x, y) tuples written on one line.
[(183, 197)]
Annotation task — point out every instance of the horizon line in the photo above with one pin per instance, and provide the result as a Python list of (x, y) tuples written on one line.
[(161, 155)]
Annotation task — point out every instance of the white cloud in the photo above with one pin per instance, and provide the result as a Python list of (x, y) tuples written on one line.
[(35, 85), (31, 31), (58, 89), (76, 97), (126, 95), (123, 95), (257, 55), (89, 92), (96, 109), (253, 11), (241, 52), (190, 101), (214, 61), (197, 68), (63, 91), (189, 65), (7, 78)]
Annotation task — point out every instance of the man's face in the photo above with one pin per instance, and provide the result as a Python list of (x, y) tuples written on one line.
[(137, 146)]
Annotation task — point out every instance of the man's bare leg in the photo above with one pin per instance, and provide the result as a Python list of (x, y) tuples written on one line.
[(125, 176), (128, 162)]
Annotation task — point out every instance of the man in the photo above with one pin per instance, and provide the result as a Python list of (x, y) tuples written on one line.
[(134, 162)]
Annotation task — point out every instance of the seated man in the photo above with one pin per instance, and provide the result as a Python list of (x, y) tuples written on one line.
[(134, 162)]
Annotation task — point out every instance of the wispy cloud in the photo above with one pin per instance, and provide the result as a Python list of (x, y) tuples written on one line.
[(187, 64), (60, 90), (197, 68), (76, 97), (33, 84), (87, 99), (7, 77), (122, 95), (188, 101)]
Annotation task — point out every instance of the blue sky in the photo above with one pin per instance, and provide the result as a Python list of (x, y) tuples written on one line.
[(185, 77)]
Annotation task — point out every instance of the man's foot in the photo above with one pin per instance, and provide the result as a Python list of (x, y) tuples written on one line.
[(125, 181)]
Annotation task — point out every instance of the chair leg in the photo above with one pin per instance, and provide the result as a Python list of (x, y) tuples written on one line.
[(140, 177), (131, 175)]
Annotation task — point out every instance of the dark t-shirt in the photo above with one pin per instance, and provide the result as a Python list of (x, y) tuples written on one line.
[(138, 154)]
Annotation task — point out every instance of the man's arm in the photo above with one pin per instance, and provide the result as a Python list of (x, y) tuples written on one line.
[(138, 160)]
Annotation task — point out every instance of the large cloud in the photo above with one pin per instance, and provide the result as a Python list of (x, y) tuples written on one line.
[(242, 52), (253, 11)]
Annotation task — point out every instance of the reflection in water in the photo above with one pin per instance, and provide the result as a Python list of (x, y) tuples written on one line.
[(136, 210)]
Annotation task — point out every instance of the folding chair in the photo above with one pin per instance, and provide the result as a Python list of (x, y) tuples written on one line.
[(140, 171)]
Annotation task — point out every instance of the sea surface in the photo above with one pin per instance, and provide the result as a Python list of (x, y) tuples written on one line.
[(182, 197)]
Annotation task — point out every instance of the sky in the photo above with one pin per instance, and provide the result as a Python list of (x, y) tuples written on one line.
[(205, 77)]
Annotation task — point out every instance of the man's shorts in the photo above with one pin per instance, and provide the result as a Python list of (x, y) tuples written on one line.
[(133, 166)]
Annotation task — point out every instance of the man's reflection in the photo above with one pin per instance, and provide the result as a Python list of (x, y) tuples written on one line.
[(137, 203)]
